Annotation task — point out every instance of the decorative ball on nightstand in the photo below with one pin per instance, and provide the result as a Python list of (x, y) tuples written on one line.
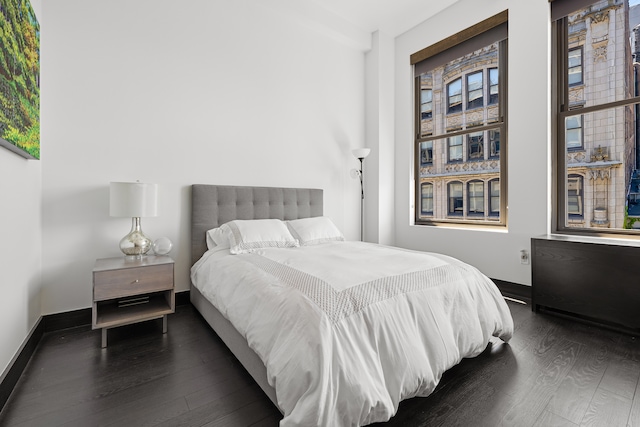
[(162, 246)]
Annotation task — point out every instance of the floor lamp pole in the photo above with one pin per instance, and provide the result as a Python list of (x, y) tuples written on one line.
[(361, 202), (360, 154)]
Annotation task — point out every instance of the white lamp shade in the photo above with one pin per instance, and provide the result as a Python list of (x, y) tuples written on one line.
[(361, 153), (133, 199)]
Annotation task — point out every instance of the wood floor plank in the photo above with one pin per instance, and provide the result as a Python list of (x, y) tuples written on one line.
[(537, 390), (549, 419), (621, 377), (607, 409), (572, 398), (634, 414)]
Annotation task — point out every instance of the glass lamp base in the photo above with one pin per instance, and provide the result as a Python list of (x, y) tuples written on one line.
[(135, 243)]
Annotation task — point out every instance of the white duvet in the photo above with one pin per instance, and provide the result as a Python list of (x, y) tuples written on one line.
[(349, 329)]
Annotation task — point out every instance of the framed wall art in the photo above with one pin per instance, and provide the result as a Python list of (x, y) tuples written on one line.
[(19, 78)]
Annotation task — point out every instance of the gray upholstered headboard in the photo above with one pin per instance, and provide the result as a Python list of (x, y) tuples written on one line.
[(213, 205)]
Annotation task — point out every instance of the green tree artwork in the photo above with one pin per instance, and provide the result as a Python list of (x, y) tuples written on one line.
[(20, 76)]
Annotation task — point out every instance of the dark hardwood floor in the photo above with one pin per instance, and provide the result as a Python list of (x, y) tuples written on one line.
[(554, 372)]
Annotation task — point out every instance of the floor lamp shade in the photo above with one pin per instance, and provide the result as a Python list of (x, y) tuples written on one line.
[(134, 200)]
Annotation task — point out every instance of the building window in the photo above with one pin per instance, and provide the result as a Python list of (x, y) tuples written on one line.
[(475, 194), (474, 90), (493, 86), (494, 197), (574, 132), (455, 148), (475, 144), (426, 103), (426, 198), (459, 153), (494, 144), (456, 201), (595, 127), (426, 153), (454, 96), (575, 66), (575, 206)]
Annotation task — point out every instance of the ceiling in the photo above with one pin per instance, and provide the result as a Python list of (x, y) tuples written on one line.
[(393, 17), (353, 21)]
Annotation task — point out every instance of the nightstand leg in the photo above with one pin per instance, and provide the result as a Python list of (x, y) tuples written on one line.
[(164, 324), (104, 337)]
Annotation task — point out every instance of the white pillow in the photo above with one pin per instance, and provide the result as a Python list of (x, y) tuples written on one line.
[(312, 231), (217, 238), (248, 235)]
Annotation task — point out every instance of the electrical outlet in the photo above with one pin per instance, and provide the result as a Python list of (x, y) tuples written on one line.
[(524, 257)]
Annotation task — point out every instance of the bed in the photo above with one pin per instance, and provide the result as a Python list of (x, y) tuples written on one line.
[(335, 332)]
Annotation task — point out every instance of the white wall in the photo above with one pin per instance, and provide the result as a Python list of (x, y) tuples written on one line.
[(20, 251), (496, 253), (197, 91), (20, 190)]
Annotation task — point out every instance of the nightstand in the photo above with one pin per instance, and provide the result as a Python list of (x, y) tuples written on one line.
[(129, 290)]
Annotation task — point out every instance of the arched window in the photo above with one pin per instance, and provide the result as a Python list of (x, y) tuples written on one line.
[(426, 198), (454, 96), (475, 97), (494, 197), (475, 196), (456, 201), (575, 201)]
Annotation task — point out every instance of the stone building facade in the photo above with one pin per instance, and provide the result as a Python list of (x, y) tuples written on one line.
[(459, 175), (600, 145)]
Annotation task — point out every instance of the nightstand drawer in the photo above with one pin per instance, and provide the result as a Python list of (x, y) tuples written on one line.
[(131, 281)]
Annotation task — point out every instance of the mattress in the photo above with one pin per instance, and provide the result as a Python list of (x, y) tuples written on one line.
[(347, 330)]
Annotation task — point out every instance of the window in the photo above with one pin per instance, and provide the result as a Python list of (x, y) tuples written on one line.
[(426, 153), (475, 142), (457, 148), (493, 86), (494, 200), (454, 91), (574, 132), (426, 98), (474, 90), (475, 193), (494, 143), (575, 66), (456, 204), (595, 126), (427, 198), (574, 196)]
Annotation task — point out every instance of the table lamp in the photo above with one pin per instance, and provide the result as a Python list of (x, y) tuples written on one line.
[(135, 200)]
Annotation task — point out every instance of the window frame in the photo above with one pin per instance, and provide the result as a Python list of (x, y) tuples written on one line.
[(429, 160), (423, 61), (492, 212), (422, 186), (561, 108), (581, 50), (449, 146), (490, 86), (468, 90), (457, 211), (471, 195), (458, 105), (422, 103), (580, 195)]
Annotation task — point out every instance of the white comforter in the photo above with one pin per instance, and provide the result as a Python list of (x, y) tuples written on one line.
[(348, 329)]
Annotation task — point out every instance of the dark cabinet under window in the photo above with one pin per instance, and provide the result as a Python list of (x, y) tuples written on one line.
[(596, 279)]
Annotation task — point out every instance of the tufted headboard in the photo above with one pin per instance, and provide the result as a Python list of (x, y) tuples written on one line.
[(213, 205)]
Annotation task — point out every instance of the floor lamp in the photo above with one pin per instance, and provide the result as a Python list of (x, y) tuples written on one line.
[(360, 154)]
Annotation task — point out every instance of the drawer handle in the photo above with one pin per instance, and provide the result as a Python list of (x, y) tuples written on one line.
[(136, 281)]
